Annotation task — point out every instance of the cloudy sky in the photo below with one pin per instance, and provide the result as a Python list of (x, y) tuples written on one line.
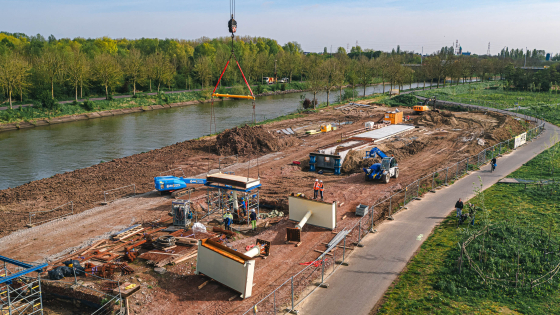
[(377, 24)]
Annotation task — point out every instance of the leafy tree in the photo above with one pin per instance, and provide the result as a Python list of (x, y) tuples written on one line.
[(107, 71), (14, 70), (202, 68), (52, 65), (77, 70), (364, 72), (133, 66)]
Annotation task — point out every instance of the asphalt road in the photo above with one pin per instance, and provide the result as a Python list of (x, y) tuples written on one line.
[(357, 288)]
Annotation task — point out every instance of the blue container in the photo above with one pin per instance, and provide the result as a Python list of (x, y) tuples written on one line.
[(312, 161)]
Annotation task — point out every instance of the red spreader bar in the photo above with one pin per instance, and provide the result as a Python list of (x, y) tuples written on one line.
[(252, 96)]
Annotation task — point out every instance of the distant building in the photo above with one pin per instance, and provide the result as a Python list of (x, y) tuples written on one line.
[(466, 53), (548, 57)]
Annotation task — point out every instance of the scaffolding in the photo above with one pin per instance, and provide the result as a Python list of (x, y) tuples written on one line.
[(20, 291), (238, 199)]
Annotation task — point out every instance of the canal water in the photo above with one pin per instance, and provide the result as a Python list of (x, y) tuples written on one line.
[(31, 154)]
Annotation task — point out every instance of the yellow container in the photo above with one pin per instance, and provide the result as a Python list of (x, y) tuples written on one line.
[(393, 118)]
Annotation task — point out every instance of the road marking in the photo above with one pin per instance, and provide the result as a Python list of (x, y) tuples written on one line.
[(419, 237)]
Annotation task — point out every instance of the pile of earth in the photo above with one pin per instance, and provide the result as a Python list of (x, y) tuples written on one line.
[(437, 120), (354, 161), (249, 140)]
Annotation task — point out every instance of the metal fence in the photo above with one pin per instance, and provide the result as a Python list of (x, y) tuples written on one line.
[(120, 192), (47, 215), (289, 294)]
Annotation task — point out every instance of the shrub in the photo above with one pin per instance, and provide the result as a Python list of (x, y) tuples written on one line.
[(283, 87), (88, 105), (307, 103)]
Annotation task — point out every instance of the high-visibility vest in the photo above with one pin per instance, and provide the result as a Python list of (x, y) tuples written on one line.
[(316, 186), (321, 186)]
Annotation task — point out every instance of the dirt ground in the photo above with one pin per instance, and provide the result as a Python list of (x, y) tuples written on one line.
[(440, 139)]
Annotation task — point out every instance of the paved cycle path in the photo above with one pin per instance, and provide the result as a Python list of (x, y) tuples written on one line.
[(357, 288)]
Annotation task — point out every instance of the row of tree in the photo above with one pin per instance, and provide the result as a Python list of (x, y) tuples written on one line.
[(32, 67)]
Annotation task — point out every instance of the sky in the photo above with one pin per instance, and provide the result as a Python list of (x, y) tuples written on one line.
[(374, 24)]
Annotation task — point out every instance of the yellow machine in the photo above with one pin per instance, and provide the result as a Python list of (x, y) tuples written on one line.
[(327, 128), (393, 118), (419, 109)]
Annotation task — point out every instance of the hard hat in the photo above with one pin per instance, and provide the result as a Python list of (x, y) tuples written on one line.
[(320, 181), (252, 210), (316, 180)]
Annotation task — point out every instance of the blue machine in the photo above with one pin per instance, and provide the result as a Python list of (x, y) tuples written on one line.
[(172, 183), (381, 171), (375, 151)]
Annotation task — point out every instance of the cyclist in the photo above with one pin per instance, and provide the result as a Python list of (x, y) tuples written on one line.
[(493, 162)]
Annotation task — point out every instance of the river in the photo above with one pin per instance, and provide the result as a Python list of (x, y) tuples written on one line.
[(31, 154)]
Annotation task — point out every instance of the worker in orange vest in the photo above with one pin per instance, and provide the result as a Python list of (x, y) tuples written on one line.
[(316, 189), (321, 189)]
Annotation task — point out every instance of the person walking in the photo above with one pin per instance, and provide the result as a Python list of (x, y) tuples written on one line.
[(459, 208), (253, 217), (315, 189), (321, 188), (228, 219), (493, 162)]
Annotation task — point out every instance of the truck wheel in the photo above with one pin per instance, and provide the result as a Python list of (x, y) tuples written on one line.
[(396, 173), (386, 178)]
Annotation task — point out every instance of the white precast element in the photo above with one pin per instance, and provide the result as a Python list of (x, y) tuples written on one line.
[(369, 124), (323, 213), (304, 220), (226, 266), (520, 140), (255, 251), (385, 132)]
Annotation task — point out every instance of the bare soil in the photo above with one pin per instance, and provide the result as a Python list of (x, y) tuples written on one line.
[(440, 139)]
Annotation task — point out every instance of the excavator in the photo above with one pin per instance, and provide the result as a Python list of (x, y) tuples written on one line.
[(381, 171), (420, 109)]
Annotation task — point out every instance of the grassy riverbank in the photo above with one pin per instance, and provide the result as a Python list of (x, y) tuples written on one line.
[(47, 109)]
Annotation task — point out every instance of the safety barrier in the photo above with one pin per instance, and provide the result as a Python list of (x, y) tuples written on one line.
[(116, 192), (46, 216), (297, 286)]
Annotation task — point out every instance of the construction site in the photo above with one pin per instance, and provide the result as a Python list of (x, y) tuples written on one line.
[(149, 229), (252, 215)]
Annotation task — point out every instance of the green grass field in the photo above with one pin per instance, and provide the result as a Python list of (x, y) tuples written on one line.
[(492, 94), (525, 242)]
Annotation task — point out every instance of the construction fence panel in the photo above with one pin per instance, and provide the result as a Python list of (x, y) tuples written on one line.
[(38, 217), (425, 184), (397, 201), (119, 192)]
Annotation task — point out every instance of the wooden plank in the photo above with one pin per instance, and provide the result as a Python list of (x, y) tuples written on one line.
[(187, 257)]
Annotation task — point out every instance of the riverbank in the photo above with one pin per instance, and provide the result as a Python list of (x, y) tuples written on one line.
[(30, 117)]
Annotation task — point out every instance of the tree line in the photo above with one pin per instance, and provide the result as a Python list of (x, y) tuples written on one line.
[(35, 68)]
